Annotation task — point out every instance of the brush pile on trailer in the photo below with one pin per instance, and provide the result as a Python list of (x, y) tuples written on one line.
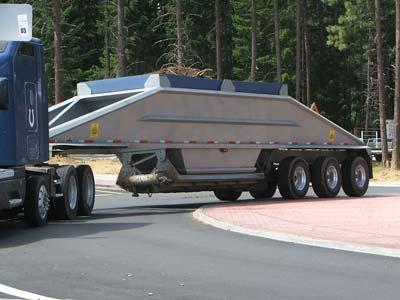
[(181, 134)]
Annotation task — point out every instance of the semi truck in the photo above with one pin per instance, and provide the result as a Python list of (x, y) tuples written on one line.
[(171, 134), (27, 183)]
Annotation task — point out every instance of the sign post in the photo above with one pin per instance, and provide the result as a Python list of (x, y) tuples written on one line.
[(15, 22)]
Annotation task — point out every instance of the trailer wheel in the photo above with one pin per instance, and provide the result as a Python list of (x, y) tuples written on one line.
[(37, 202), (355, 176), (293, 178), (65, 207), (86, 190), (326, 177), (227, 195), (267, 191)]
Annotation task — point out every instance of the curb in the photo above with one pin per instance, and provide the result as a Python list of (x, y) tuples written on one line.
[(199, 215)]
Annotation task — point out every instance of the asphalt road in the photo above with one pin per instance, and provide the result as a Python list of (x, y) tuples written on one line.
[(140, 248)]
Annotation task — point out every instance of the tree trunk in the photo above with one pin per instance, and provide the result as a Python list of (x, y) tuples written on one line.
[(306, 55), (381, 84), (369, 70), (253, 40), (57, 51), (179, 33), (396, 138), (277, 42), (227, 37), (107, 71), (121, 40), (368, 100), (298, 49), (218, 39)]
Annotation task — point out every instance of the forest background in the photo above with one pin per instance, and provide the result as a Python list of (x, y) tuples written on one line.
[(340, 54)]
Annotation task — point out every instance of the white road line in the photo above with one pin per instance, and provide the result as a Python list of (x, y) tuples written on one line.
[(22, 294), (289, 238), (110, 192)]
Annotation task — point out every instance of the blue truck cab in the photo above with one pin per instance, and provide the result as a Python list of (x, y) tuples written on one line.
[(28, 184), (23, 104)]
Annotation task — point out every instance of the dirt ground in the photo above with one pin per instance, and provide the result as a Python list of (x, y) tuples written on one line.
[(99, 166), (385, 175), (111, 166)]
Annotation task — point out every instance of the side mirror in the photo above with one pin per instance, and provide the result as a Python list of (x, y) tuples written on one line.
[(3, 93)]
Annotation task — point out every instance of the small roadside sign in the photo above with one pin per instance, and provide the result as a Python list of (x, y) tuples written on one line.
[(390, 129), (15, 22)]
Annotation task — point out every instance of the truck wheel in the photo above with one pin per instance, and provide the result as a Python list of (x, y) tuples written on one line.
[(355, 176), (326, 177), (227, 195), (267, 191), (37, 202), (293, 178), (65, 207), (86, 190)]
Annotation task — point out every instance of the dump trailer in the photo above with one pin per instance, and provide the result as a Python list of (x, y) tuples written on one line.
[(180, 134), (27, 183)]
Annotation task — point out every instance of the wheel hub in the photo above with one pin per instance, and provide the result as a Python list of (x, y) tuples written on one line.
[(360, 176), (89, 190), (299, 178), (43, 202), (332, 177), (72, 192)]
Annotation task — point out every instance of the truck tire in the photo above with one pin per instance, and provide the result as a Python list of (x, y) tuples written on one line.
[(355, 176), (266, 192), (86, 190), (37, 202), (326, 177), (65, 207), (227, 195), (293, 178)]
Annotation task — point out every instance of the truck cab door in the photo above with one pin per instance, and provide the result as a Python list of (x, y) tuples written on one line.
[(26, 103)]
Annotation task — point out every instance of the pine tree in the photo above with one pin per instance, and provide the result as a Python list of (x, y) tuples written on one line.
[(277, 42), (396, 139), (381, 85), (218, 38), (121, 39), (57, 51), (179, 33)]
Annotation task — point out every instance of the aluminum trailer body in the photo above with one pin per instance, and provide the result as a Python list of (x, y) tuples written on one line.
[(175, 133)]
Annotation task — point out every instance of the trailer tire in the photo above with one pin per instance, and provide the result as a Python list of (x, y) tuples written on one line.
[(227, 195), (65, 207), (37, 202), (355, 176), (267, 192), (326, 177), (86, 184), (293, 178)]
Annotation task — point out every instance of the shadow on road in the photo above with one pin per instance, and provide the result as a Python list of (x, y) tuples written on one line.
[(16, 233)]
